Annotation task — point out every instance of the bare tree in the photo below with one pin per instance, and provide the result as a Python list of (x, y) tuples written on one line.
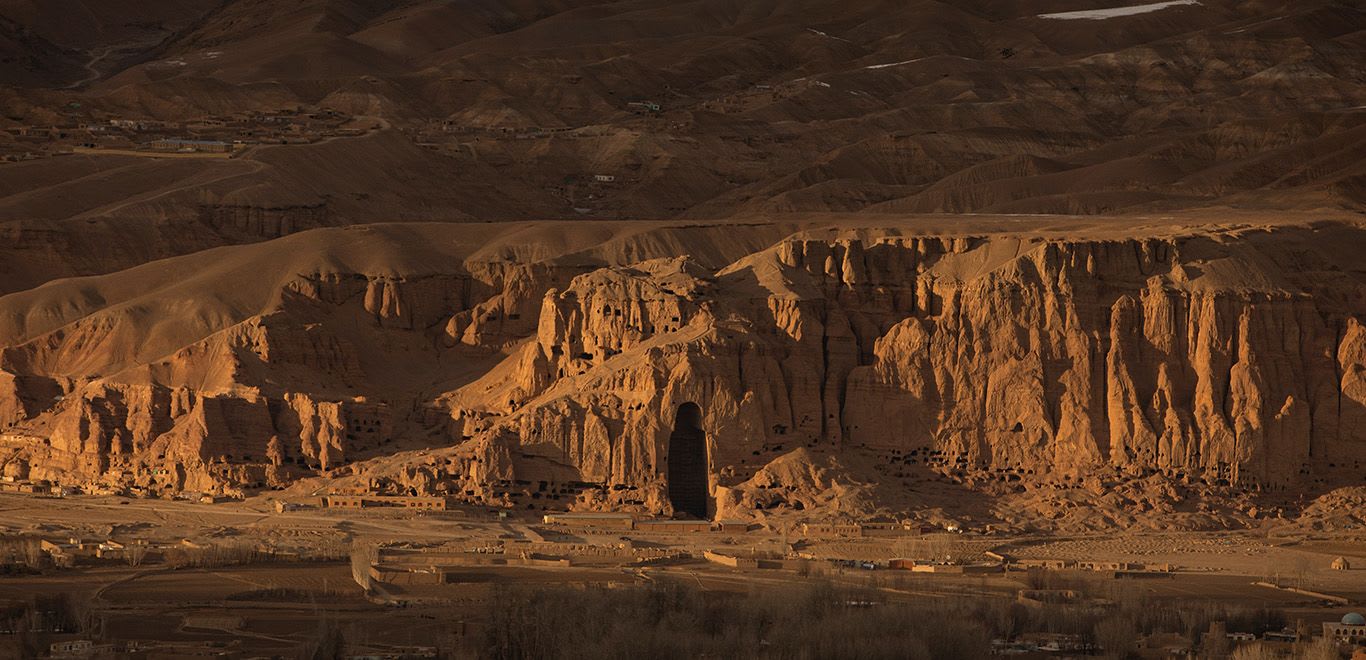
[(1214, 645), (1301, 567), (33, 553), (135, 553), (1257, 652), (227, 554), (363, 556), (1117, 636), (327, 644), (1322, 648)]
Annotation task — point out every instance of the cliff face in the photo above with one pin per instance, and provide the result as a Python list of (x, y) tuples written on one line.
[(1230, 360), (282, 393), (251, 222), (868, 359)]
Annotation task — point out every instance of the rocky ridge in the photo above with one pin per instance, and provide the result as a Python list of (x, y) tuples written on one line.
[(840, 369)]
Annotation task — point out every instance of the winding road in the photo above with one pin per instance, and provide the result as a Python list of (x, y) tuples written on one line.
[(96, 58)]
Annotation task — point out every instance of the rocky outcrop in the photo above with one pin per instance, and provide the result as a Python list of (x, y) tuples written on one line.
[(261, 400), (170, 440), (255, 221), (1228, 361), (832, 370)]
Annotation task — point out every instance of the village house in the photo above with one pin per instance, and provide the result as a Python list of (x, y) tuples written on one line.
[(26, 487), (282, 506), (609, 520), (832, 529), (138, 124), (952, 569), (1109, 566), (891, 529), (109, 549), (184, 145), (370, 501), (181, 650), (65, 553), (675, 526), (73, 648), (731, 526)]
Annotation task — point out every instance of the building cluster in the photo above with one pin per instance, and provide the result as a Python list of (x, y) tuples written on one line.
[(1217, 642), (76, 647), (761, 95), (218, 135), (37, 487), (45, 488), (422, 503), (1348, 633), (953, 568), (66, 553), (183, 145), (25, 554), (628, 521), (759, 561), (1049, 644), (444, 565), (144, 649), (1116, 567), (865, 529), (556, 545)]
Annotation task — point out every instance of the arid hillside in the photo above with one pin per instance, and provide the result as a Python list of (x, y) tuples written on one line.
[(652, 109)]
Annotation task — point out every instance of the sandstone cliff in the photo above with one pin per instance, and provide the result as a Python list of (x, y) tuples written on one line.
[(1228, 360), (843, 369)]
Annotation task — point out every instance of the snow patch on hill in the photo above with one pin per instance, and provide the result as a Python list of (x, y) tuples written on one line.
[(1113, 12)]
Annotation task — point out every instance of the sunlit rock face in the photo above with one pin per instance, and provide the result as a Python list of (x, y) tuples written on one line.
[(1226, 358)]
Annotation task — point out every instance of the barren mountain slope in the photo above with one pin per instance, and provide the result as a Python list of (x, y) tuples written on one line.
[(504, 109)]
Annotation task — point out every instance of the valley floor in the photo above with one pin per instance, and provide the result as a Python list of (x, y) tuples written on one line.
[(277, 578)]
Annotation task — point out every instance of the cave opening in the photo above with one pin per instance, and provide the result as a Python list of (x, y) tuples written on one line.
[(687, 463)]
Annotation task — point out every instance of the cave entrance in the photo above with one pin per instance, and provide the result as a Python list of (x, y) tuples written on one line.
[(687, 473)]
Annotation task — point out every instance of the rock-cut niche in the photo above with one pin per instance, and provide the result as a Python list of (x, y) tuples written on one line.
[(687, 459)]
